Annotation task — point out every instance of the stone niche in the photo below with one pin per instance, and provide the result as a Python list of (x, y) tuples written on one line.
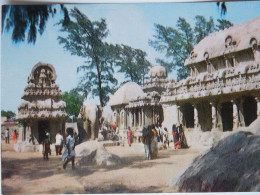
[(41, 109)]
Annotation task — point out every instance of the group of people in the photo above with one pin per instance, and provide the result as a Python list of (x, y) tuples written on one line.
[(150, 140), (153, 134), (179, 138), (71, 139), (163, 135), (7, 135)]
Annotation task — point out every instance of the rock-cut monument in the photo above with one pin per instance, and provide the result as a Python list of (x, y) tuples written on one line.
[(41, 109)]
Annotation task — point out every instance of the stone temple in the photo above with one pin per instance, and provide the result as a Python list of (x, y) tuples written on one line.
[(42, 108), (221, 94)]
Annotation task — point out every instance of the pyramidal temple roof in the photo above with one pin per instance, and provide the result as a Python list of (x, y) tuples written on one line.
[(42, 95)]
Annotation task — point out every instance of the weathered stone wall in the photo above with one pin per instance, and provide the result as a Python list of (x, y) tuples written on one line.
[(170, 113)]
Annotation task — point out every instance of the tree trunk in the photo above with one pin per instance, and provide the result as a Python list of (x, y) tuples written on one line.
[(99, 83)]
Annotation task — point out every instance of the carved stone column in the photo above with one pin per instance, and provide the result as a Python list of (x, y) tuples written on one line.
[(122, 118), (234, 61), (130, 118), (235, 115), (143, 123), (226, 61), (196, 118), (219, 117), (139, 118), (134, 118), (214, 115), (178, 114), (241, 112), (153, 121), (258, 106)]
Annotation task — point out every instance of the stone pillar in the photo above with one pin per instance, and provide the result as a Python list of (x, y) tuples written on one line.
[(214, 115), (129, 118), (226, 61), (196, 118), (258, 106), (219, 118), (134, 118), (123, 116), (234, 61), (153, 114), (235, 115), (125, 113), (241, 112), (143, 122), (139, 118), (179, 114)]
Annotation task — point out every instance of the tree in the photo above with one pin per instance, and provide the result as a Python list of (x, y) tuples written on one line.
[(223, 24), (28, 18), (133, 63), (8, 114), (177, 43), (86, 39), (203, 27), (74, 101)]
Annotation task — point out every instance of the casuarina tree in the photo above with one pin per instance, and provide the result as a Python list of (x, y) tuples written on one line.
[(31, 19), (85, 38), (133, 63), (177, 43)]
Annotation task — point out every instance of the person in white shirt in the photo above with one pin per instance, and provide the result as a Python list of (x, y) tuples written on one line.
[(59, 143), (7, 136)]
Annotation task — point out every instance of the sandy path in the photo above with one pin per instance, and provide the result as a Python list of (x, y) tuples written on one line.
[(28, 173)]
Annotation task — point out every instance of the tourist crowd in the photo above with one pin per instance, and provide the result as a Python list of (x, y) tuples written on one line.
[(153, 134)]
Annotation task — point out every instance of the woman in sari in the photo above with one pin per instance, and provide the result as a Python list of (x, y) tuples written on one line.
[(129, 136), (182, 138), (69, 152), (176, 137), (154, 143), (14, 137)]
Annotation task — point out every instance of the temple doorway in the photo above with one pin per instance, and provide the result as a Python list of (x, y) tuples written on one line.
[(42, 126), (227, 116), (188, 115), (250, 109)]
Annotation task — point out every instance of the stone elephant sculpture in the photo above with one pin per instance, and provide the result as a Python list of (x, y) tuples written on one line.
[(88, 120)]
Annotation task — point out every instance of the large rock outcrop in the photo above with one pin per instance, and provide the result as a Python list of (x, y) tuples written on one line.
[(232, 165), (93, 152)]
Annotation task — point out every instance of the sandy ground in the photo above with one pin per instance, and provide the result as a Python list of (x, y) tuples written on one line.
[(28, 173)]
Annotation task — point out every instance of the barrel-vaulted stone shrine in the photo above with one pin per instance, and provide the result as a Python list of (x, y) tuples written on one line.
[(42, 108), (221, 94)]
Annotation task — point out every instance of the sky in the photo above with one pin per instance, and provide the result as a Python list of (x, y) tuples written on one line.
[(130, 24)]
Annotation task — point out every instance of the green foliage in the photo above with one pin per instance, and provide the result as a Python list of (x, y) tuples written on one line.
[(203, 27), (28, 18), (86, 39), (8, 114), (223, 24), (177, 43), (133, 63), (74, 101)]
